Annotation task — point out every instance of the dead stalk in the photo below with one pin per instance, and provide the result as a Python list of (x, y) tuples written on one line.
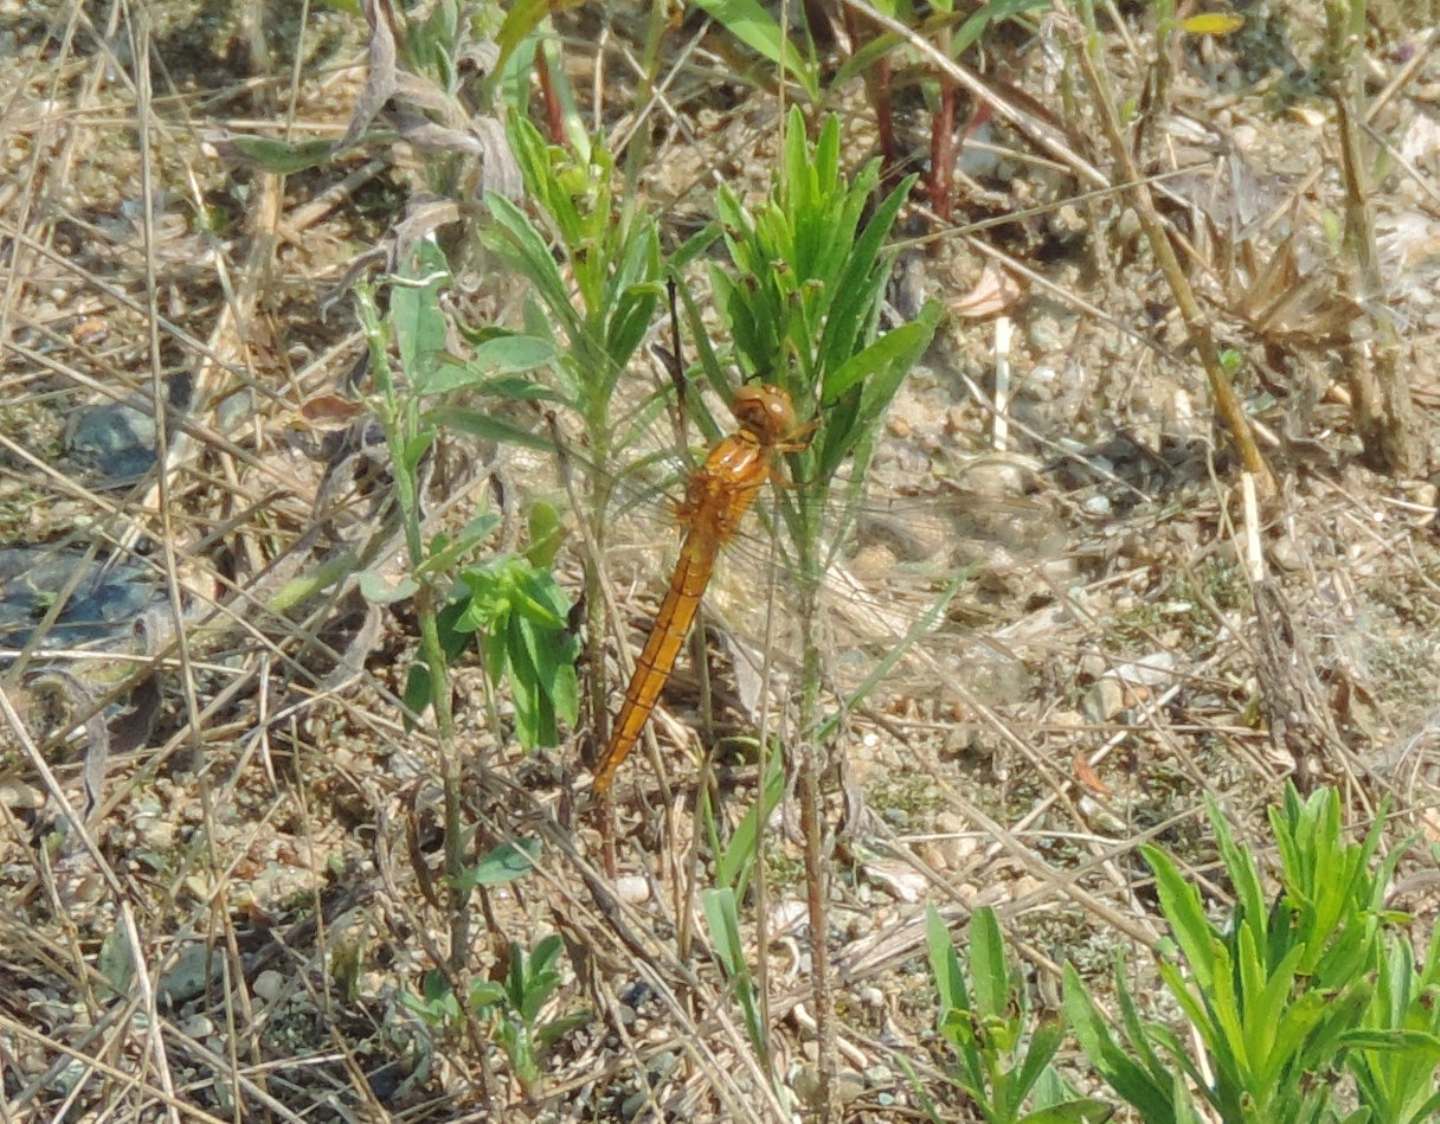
[(1227, 405), (1379, 394)]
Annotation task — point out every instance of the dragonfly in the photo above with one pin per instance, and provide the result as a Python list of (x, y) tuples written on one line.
[(1002, 536), (717, 496)]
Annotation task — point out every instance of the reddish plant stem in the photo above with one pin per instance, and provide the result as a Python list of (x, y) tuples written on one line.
[(554, 115), (885, 124), (942, 149), (877, 89)]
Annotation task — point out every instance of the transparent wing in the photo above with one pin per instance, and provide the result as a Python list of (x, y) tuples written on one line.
[(899, 558)]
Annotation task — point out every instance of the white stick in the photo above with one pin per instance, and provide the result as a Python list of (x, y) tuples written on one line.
[(1000, 432), (1254, 554)]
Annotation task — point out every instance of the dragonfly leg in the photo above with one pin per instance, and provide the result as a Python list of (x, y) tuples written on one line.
[(799, 440)]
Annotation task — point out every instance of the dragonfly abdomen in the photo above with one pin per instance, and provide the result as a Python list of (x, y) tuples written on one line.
[(718, 495), (667, 634)]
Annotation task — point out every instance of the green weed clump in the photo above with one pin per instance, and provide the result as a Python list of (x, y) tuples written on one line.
[(1284, 1000)]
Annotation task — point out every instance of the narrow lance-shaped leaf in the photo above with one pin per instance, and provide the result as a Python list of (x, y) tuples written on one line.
[(277, 156), (845, 315), (415, 311), (878, 371), (756, 28), (504, 863), (740, 852), (1180, 902), (1044, 1045), (503, 355), (992, 12), (517, 240), (989, 979), (1240, 865), (1112, 1062)]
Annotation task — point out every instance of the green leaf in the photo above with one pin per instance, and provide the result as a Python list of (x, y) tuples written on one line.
[(740, 851), (116, 963), (1180, 903), (546, 532), (504, 355), (444, 555), (690, 250), (1293, 1025), (988, 977), (1083, 1111), (523, 680), (1240, 865), (495, 647), (503, 864), (415, 449), (415, 311), (1140, 1041), (278, 156), (1044, 1044), (1265, 1011), (1109, 1059), (564, 692), (485, 993), (754, 26), (453, 641), (945, 964), (519, 1047), (1393, 1041), (891, 350), (856, 287), (856, 429), (631, 320), (722, 918), (541, 975), (545, 955), (556, 1029), (515, 238), (436, 986), (1426, 1111), (487, 427), (534, 602), (378, 590), (1185, 1112), (992, 12)]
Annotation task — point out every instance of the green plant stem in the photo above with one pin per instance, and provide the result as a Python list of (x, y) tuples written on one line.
[(595, 621), (400, 424), (449, 774), (637, 149), (811, 803)]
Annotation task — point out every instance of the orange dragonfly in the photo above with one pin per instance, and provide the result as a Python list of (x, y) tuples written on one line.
[(716, 498)]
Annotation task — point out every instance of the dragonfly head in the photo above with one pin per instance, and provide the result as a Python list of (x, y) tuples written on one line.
[(765, 411)]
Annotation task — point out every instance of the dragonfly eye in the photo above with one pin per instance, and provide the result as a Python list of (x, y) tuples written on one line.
[(764, 410)]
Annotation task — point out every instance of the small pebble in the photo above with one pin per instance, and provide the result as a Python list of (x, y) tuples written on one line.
[(198, 1026), (1104, 699), (1285, 555), (632, 889), (269, 984)]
